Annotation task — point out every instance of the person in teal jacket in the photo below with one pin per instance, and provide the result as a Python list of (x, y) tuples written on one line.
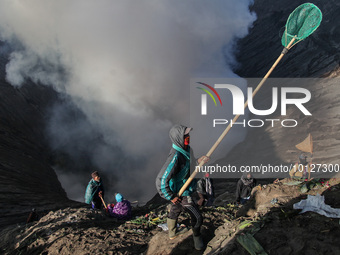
[(172, 177), (94, 191)]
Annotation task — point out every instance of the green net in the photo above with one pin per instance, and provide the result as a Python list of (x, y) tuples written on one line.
[(302, 22)]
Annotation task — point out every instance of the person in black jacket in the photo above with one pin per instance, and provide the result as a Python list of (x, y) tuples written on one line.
[(205, 191), (244, 187)]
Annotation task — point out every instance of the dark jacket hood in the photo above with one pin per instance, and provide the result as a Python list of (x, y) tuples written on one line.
[(245, 180), (176, 135)]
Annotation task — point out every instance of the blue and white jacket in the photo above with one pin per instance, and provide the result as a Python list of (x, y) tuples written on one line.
[(176, 169)]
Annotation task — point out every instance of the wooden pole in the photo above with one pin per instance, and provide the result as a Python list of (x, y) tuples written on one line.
[(103, 202), (225, 132)]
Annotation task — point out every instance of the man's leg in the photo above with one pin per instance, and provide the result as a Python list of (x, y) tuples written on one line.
[(97, 203), (175, 211), (200, 202), (196, 221), (210, 201), (244, 200)]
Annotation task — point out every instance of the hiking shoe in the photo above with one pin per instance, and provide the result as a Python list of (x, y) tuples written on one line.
[(198, 242)]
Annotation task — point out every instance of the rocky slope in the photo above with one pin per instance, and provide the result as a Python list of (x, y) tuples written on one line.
[(26, 178), (277, 227), (86, 231)]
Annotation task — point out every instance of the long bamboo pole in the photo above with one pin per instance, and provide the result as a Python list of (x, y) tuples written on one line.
[(225, 132), (103, 202)]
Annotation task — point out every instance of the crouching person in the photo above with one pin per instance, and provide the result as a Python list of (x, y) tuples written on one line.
[(121, 210), (205, 191), (244, 187)]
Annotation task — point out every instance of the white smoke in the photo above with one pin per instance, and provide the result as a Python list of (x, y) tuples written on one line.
[(126, 65)]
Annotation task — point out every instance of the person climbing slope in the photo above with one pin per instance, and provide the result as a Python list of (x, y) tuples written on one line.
[(171, 178)]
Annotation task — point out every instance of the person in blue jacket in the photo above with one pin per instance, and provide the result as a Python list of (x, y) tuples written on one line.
[(94, 191), (172, 177)]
